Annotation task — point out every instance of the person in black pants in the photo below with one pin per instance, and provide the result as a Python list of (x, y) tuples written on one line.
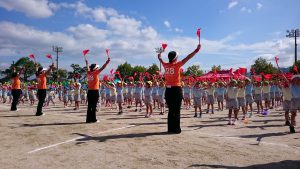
[(41, 75), (173, 93), (41, 93), (93, 72), (92, 97), (173, 98), (16, 96), (16, 89)]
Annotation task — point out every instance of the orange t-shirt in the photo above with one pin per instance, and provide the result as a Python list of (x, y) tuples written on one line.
[(172, 73), (16, 83), (42, 81), (93, 80)]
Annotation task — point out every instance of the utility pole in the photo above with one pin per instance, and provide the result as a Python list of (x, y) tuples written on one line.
[(294, 33), (57, 50)]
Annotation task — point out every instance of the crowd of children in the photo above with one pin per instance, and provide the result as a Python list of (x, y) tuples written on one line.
[(234, 95)]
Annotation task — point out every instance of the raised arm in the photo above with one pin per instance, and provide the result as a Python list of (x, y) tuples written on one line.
[(87, 65), (160, 59), (50, 68), (105, 64), (191, 54)]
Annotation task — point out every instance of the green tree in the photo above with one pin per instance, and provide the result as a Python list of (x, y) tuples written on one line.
[(139, 69), (262, 66), (193, 70), (76, 70), (216, 68), (24, 62), (62, 74), (153, 69), (125, 69)]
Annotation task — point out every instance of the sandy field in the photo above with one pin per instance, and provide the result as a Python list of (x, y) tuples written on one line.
[(62, 139)]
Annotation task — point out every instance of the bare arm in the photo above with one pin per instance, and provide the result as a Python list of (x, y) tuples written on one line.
[(50, 68), (105, 64), (191, 55), (87, 65), (160, 59)]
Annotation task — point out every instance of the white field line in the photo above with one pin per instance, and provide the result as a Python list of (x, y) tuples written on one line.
[(247, 139), (73, 139)]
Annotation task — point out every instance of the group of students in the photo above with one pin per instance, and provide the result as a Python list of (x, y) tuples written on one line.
[(164, 92), (234, 95)]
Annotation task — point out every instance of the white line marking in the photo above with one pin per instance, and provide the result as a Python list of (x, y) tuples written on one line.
[(73, 139), (258, 142)]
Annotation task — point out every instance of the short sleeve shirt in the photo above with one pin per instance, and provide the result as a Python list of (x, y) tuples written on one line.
[(172, 73)]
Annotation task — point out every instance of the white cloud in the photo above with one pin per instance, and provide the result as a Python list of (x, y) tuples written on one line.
[(232, 4), (178, 30), (167, 24), (31, 8), (129, 40), (244, 9), (259, 6)]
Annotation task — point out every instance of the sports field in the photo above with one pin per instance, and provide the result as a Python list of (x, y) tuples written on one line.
[(62, 139)]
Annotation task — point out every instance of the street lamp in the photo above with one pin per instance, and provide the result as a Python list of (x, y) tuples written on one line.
[(57, 50), (294, 33)]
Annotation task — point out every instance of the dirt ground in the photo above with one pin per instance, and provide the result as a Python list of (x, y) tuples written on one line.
[(62, 139)]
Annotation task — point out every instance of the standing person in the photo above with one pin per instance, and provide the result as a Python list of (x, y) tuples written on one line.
[(41, 74), (267, 98), (258, 96), (295, 101), (120, 96), (93, 72), (241, 97), (249, 96), (148, 99), (15, 89), (161, 97), (173, 93), (232, 102), (220, 90), (77, 96), (287, 97), (197, 92), (210, 97)]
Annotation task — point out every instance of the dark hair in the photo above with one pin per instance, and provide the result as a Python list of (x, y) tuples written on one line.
[(171, 56), (14, 74), (39, 71), (92, 67)]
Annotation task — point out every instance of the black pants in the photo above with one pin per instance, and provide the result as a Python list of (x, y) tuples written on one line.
[(174, 97), (92, 96), (16, 96), (41, 93)]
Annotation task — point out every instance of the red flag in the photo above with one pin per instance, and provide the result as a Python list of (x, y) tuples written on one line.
[(105, 78), (164, 46), (198, 32), (107, 52), (296, 69), (276, 60), (31, 56), (147, 74), (85, 52), (135, 74), (49, 56), (242, 71), (117, 73), (253, 72), (111, 71), (268, 76)]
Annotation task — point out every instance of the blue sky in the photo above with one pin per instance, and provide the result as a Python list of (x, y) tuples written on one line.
[(234, 32)]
